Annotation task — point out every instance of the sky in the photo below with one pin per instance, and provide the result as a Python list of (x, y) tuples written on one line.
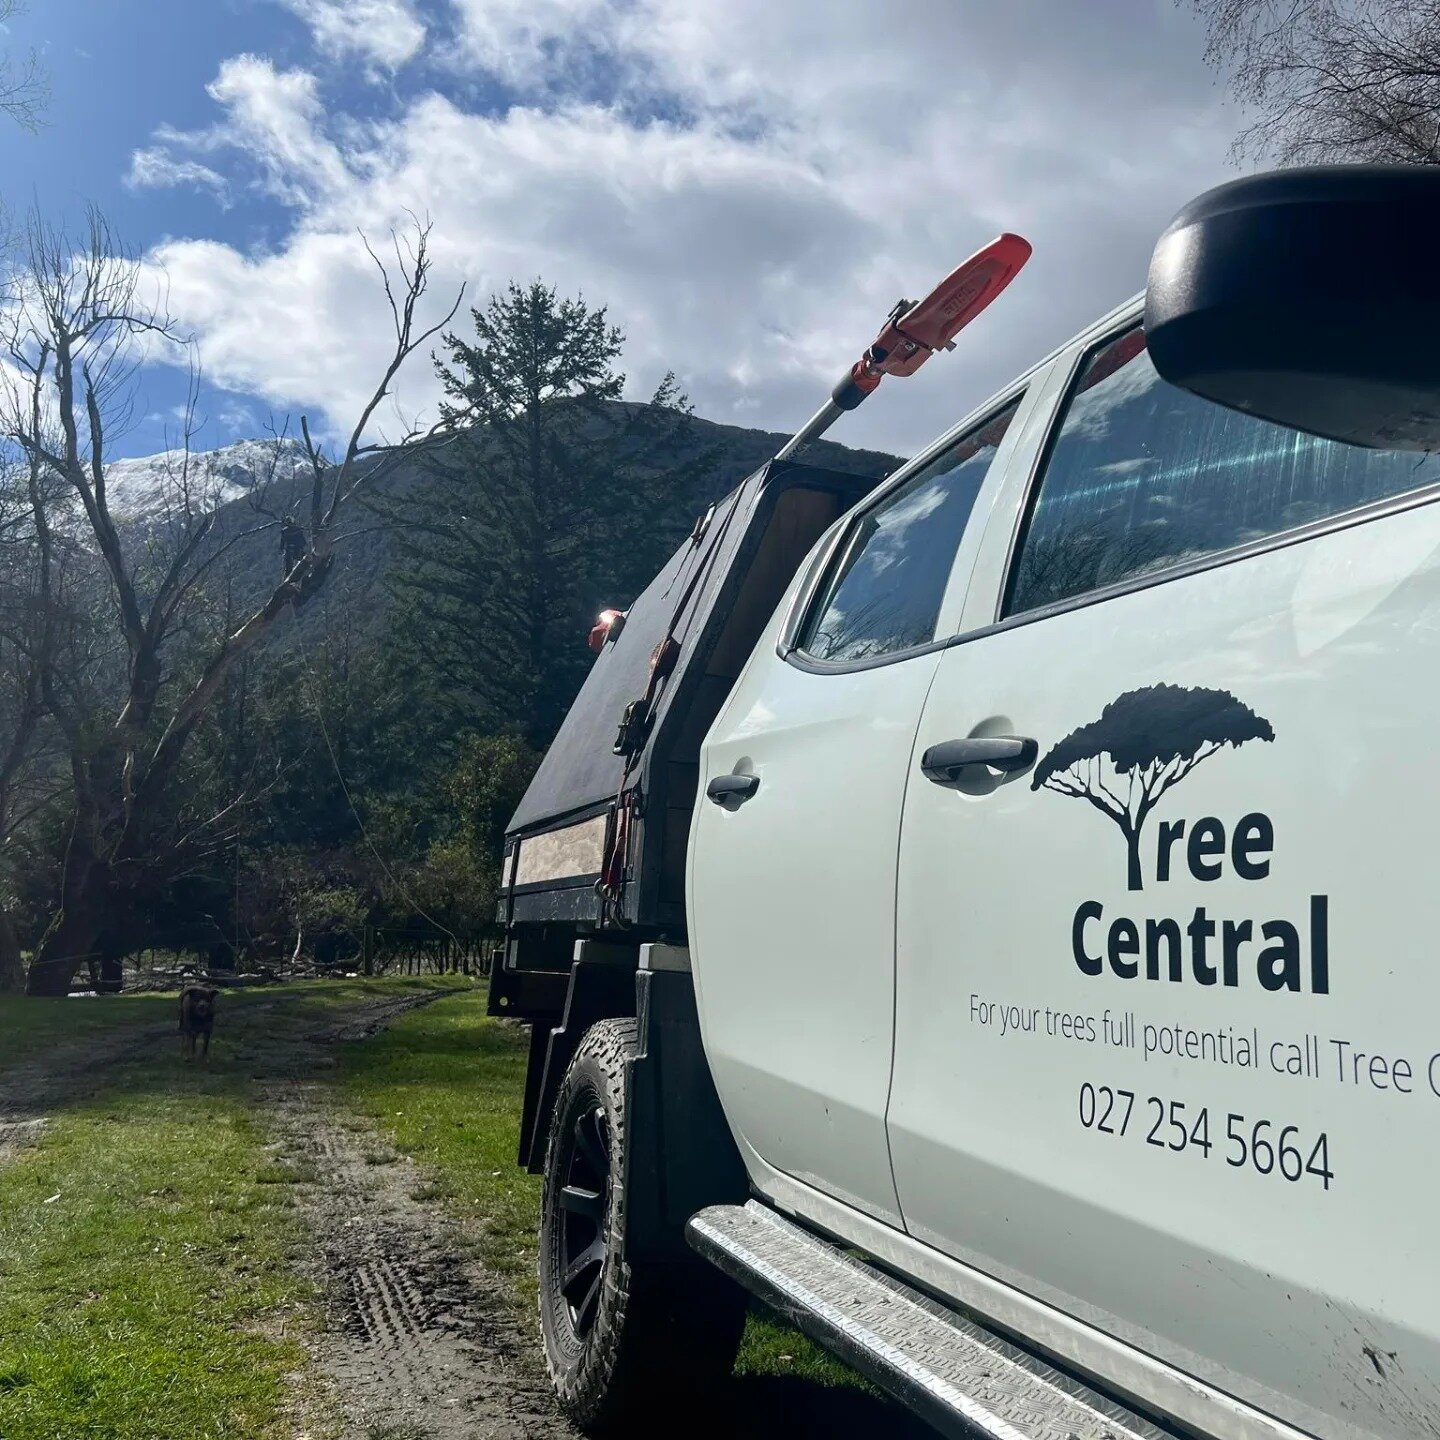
[(748, 185)]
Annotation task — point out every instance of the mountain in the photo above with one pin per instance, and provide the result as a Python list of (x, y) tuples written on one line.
[(147, 488), (356, 592)]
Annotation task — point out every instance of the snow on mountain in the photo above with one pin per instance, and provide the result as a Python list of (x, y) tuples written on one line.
[(151, 487)]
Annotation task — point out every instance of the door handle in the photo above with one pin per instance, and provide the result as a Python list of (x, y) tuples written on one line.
[(1010, 754), (732, 787)]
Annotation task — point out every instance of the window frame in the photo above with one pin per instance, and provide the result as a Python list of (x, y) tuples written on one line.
[(1081, 352), (837, 548)]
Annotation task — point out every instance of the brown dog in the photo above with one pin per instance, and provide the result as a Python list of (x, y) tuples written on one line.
[(197, 1018)]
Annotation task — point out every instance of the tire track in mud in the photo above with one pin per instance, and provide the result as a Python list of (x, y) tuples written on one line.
[(420, 1341)]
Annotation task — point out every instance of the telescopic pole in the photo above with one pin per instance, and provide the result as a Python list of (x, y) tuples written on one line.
[(812, 429)]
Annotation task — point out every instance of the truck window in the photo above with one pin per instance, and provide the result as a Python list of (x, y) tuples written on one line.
[(1143, 476), (884, 591)]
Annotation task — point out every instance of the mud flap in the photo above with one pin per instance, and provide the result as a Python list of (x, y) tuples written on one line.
[(602, 987), (680, 1156)]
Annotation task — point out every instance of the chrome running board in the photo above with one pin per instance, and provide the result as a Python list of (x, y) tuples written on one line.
[(951, 1372)]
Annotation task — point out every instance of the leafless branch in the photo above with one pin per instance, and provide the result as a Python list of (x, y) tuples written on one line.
[(24, 84), (1330, 79)]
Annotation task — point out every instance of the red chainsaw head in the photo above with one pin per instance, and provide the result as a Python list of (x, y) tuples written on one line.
[(915, 332)]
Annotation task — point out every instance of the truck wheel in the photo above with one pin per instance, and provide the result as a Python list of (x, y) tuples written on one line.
[(620, 1338)]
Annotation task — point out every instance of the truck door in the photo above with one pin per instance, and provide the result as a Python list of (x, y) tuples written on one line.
[(791, 889), (1166, 1048)]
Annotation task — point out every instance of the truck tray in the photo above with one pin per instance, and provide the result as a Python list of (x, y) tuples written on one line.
[(714, 596)]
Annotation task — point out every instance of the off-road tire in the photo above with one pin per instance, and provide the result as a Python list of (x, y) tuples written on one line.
[(652, 1334)]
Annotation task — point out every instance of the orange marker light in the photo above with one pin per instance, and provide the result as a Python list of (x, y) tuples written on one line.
[(608, 625)]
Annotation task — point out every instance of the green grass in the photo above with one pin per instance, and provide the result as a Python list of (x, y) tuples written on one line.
[(156, 1295), (32, 1026), (145, 1275), (148, 1284), (445, 1084)]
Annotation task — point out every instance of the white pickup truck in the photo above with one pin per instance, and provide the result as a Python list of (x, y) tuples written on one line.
[(1002, 935)]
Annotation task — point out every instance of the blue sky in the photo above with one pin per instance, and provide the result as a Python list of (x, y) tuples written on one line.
[(749, 185), (119, 71)]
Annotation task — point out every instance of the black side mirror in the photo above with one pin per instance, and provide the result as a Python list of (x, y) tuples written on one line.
[(1310, 297)]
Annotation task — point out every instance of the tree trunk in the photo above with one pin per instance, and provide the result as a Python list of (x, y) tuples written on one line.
[(1134, 879), (86, 904), (112, 967), (12, 967), (67, 945)]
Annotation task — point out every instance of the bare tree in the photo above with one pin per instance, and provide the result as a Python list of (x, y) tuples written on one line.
[(24, 88), (28, 635), (1330, 79), (81, 321)]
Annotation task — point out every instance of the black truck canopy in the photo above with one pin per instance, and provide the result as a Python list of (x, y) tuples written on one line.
[(714, 596)]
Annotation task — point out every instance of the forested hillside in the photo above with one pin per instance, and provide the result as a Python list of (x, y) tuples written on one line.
[(351, 773), (705, 460)]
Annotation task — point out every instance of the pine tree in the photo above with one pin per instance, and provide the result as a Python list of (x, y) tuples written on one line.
[(558, 500)]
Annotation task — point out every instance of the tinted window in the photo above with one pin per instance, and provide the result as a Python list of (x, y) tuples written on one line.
[(885, 591), (1144, 475)]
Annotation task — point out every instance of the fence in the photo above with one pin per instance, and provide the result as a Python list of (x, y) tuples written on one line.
[(422, 952), (383, 951)]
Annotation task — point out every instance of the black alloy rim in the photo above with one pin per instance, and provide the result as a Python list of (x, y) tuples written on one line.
[(582, 1215)]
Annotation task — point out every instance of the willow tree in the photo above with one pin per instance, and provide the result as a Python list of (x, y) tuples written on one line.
[(83, 317)]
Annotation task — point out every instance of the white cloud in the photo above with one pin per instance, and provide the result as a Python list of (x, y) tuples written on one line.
[(273, 120), (528, 41), (155, 167), (814, 161), (383, 33), (276, 117)]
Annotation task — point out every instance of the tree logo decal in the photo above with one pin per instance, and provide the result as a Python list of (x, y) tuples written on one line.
[(1143, 745)]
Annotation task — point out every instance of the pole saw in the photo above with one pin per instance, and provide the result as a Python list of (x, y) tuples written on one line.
[(915, 330)]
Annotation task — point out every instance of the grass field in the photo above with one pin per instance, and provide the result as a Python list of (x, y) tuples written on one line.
[(149, 1286), (444, 1083), (32, 1027), (148, 1289), (145, 1275)]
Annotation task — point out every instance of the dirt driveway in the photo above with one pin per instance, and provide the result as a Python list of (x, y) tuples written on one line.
[(422, 1342), (417, 1341)]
